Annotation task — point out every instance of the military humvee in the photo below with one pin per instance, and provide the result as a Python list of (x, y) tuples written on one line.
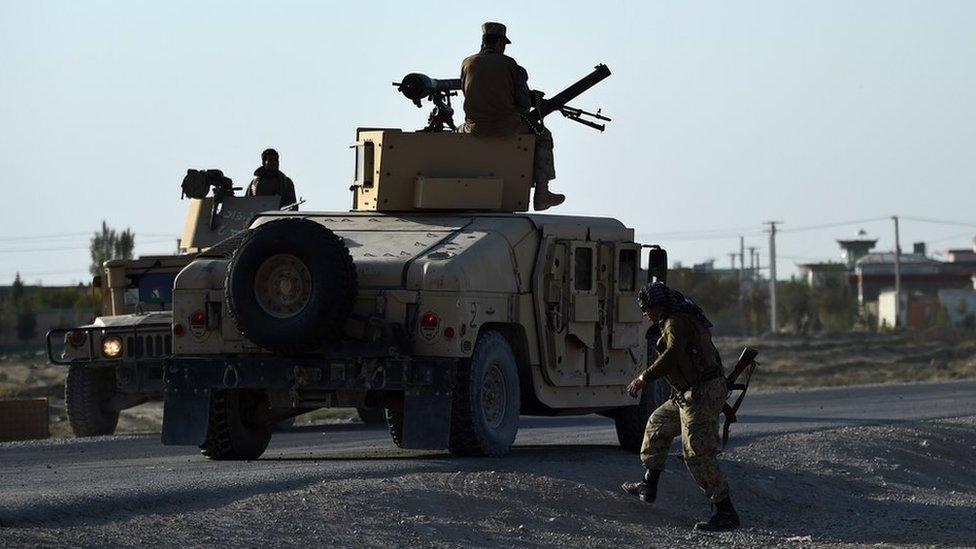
[(437, 297), (116, 362)]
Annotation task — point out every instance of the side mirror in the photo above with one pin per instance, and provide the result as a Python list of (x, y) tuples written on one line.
[(657, 264)]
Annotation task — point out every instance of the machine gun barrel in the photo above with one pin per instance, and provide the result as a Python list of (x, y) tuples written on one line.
[(558, 101), (416, 86)]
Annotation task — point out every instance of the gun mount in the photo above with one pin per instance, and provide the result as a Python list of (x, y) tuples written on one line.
[(416, 87)]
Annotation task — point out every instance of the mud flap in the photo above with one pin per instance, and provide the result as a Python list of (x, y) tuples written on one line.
[(426, 419), (185, 418)]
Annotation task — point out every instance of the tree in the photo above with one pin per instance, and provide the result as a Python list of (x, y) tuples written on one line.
[(26, 324), (108, 244), (17, 291)]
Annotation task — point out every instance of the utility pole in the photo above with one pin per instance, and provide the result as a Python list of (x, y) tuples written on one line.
[(732, 259), (897, 273), (742, 264), (773, 323), (752, 261)]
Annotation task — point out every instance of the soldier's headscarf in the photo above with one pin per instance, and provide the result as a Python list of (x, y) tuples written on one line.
[(671, 301)]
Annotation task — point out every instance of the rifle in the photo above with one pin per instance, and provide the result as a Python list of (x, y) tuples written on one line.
[(558, 102), (746, 364)]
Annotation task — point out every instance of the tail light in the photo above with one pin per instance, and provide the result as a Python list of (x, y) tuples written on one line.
[(198, 318), (429, 320)]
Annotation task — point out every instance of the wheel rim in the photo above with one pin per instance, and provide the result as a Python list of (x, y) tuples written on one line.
[(283, 285), (494, 396)]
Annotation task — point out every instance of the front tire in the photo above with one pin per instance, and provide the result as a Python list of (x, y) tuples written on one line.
[(87, 393), (235, 430), (631, 421), (487, 402)]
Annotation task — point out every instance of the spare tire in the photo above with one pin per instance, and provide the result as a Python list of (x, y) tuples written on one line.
[(290, 286)]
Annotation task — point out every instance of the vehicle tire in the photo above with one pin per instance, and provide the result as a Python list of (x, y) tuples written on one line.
[(631, 421), (232, 432), (394, 420), (485, 414), (372, 416), (87, 392), (290, 286)]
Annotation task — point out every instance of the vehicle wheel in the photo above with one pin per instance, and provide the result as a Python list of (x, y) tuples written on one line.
[(394, 420), (87, 392), (233, 432), (285, 425), (486, 403), (372, 416), (290, 286), (631, 421)]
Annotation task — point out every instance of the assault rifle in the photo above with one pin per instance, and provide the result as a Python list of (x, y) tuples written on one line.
[(416, 87), (745, 365)]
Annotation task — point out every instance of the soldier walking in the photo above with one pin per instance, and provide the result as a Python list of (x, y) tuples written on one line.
[(270, 181), (691, 364), (496, 99)]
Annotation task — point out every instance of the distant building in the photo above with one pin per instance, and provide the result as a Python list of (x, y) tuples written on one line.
[(816, 274), (920, 275)]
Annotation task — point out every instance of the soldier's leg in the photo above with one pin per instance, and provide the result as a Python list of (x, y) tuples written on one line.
[(700, 442), (662, 428), (544, 165)]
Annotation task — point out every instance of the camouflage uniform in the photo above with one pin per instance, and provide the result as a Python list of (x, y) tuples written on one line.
[(691, 365), (496, 93)]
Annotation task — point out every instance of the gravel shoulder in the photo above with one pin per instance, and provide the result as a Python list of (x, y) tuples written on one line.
[(912, 483)]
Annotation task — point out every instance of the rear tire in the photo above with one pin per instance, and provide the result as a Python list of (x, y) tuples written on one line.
[(631, 421), (87, 393), (372, 416), (487, 401), (290, 286), (394, 420), (233, 433)]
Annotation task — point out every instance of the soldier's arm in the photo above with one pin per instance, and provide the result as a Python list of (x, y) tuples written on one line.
[(523, 95), (674, 339), (250, 188), (288, 193)]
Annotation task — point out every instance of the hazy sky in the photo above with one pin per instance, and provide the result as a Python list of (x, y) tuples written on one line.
[(726, 114)]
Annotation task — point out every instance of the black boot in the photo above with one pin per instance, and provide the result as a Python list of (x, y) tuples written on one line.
[(646, 489), (724, 519)]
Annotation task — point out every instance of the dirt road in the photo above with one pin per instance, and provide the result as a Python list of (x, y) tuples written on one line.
[(835, 467)]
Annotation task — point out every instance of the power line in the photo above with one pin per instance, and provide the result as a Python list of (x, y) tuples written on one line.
[(939, 221), (87, 234), (832, 225), (78, 248)]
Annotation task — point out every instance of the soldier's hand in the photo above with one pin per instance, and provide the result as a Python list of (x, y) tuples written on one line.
[(635, 387)]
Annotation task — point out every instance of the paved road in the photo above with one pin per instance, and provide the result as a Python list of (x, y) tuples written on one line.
[(83, 481)]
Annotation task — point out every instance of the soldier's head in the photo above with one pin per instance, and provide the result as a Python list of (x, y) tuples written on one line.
[(269, 159), (493, 37), (651, 299)]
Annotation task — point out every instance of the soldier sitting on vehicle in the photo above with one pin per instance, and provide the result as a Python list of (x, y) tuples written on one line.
[(496, 96), (691, 365), (269, 181)]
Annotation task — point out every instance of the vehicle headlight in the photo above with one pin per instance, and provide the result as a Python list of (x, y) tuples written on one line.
[(112, 347), (76, 338)]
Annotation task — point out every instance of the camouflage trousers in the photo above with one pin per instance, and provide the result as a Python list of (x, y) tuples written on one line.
[(694, 416)]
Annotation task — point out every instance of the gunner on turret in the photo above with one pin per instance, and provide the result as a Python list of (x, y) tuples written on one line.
[(496, 99)]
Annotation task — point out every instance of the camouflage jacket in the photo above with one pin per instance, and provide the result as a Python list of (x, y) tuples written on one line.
[(686, 353), (496, 90)]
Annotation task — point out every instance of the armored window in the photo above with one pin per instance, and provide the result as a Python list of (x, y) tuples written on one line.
[(627, 271), (364, 163), (583, 269)]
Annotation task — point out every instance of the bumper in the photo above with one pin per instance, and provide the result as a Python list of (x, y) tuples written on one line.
[(426, 386), (139, 369)]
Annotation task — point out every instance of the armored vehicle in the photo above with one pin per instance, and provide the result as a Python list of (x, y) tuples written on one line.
[(437, 297), (116, 362)]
